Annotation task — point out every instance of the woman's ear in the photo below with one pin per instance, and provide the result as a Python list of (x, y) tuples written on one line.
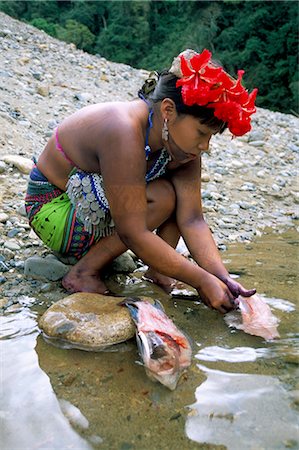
[(168, 109)]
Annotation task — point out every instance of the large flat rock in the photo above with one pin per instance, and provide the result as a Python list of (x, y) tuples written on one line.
[(88, 321)]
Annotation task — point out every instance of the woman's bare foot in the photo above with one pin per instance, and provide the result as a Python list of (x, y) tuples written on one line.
[(166, 283), (83, 281)]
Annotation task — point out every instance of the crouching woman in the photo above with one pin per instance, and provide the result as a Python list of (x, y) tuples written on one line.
[(113, 173)]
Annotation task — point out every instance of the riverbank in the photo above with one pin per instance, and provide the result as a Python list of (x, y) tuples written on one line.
[(248, 183)]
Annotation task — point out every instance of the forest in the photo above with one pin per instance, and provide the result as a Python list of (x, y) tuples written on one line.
[(260, 37)]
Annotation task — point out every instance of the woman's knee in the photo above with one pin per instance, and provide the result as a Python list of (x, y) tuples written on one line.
[(162, 193)]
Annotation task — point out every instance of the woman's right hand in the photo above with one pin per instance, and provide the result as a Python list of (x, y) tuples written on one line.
[(216, 294)]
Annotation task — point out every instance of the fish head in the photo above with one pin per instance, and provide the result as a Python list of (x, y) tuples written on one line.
[(161, 358)]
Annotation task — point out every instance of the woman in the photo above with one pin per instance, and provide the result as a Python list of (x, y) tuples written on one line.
[(114, 172)]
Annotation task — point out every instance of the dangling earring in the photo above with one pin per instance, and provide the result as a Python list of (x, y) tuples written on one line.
[(165, 130)]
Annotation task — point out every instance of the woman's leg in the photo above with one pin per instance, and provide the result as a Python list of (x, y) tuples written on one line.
[(169, 232), (84, 276)]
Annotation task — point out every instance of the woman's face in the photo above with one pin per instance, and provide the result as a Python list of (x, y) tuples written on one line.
[(187, 138)]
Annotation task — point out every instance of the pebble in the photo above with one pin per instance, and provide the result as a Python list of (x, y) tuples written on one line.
[(218, 177), (3, 267), (12, 233), (43, 90), (11, 245), (3, 217), (50, 268), (3, 167), (23, 164)]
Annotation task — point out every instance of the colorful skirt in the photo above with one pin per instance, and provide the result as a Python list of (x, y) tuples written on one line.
[(55, 219)]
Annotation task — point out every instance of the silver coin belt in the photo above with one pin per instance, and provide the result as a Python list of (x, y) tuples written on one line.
[(87, 195)]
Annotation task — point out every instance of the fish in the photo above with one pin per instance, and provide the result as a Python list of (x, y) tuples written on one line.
[(165, 350), (257, 318)]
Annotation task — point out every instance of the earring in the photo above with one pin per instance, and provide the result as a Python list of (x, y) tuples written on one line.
[(165, 131)]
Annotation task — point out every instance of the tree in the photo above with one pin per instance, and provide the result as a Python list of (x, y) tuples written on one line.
[(77, 33)]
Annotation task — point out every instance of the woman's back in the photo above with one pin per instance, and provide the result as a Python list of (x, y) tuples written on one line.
[(82, 138)]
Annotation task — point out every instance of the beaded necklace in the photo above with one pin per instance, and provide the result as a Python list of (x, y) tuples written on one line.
[(159, 167)]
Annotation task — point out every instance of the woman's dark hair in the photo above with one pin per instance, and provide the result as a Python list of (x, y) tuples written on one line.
[(164, 86)]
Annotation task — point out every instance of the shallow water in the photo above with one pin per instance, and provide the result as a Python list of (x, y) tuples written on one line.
[(237, 388)]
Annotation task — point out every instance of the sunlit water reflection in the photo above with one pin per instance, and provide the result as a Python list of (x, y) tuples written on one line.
[(241, 392), (239, 411)]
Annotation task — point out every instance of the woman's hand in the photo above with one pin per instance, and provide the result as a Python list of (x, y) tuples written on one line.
[(236, 288), (216, 294)]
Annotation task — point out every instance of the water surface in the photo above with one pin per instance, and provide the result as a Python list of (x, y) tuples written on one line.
[(237, 387)]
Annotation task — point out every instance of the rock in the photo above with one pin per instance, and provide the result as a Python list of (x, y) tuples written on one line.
[(12, 245), (23, 164), (124, 264), (43, 90), (3, 167), (3, 267), (88, 321), (255, 136), (257, 143), (218, 177), (205, 177), (84, 97), (49, 268), (22, 211), (12, 233), (52, 124), (3, 217)]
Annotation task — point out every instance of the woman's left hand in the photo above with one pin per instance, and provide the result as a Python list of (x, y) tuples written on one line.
[(237, 289)]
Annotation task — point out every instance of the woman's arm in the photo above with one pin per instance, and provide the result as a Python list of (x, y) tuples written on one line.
[(123, 171), (194, 229)]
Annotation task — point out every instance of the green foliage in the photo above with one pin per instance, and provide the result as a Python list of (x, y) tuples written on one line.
[(260, 37), (77, 33), (43, 24)]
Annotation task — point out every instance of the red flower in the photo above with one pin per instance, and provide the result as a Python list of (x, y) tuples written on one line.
[(206, 85)]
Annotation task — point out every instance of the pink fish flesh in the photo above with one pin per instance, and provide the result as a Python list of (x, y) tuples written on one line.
[(165, 350), (257, 318)]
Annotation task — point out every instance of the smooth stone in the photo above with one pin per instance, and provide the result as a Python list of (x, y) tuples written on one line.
[(256, 136), (124, 264), (43, 90), (51, 269), (22, 211), (52, 124), (83, 96), (12, 233), (4, 217), (218, 177), (24, 165), (19, 264), (257, 143), (11, 245), (205, 177), (3, 267), (3, 167), (88, 321)]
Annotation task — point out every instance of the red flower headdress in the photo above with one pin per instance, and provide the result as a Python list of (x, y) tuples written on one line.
[(205, 84)]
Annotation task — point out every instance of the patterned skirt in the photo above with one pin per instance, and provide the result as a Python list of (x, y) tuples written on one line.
[(55, 219)]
